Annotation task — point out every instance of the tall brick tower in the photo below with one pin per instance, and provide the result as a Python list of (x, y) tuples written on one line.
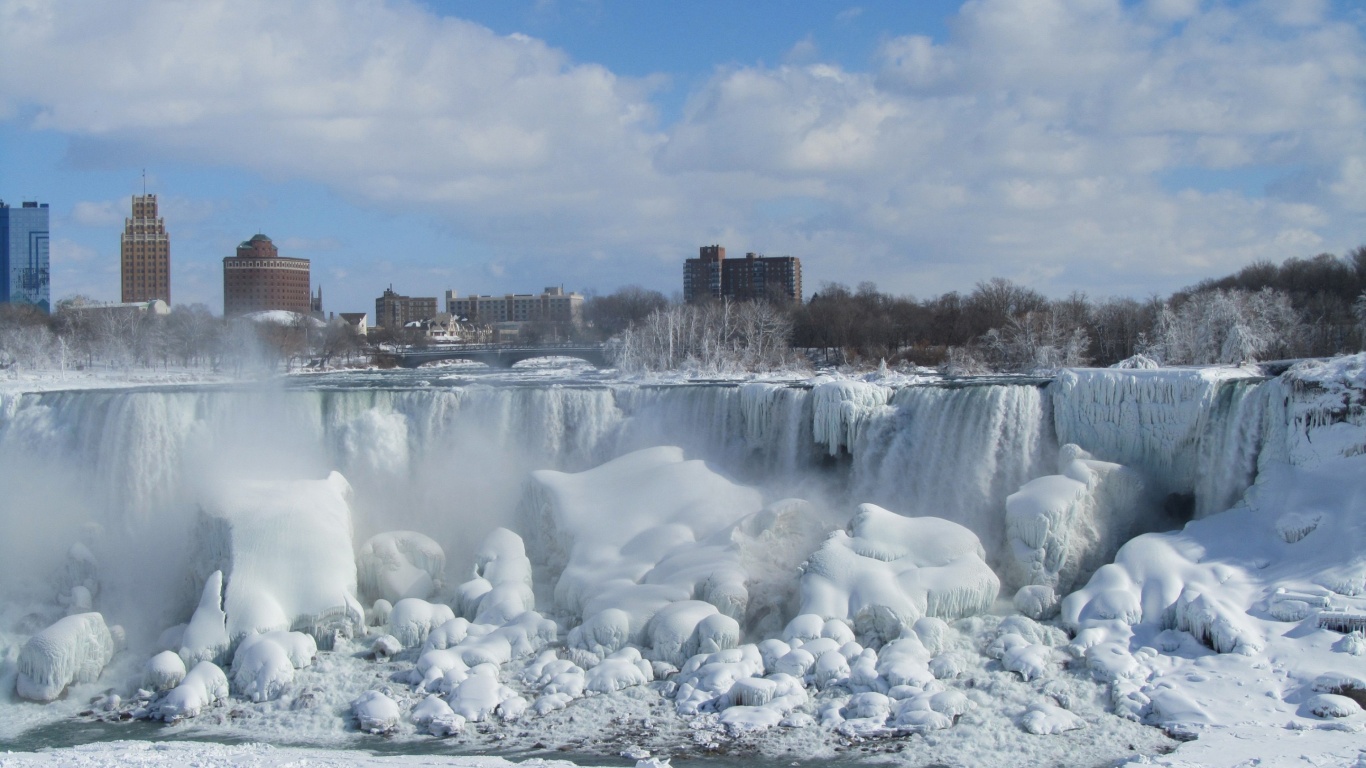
[(145, 253)]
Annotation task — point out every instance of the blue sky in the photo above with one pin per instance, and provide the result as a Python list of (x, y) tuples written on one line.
[(1118, 148)]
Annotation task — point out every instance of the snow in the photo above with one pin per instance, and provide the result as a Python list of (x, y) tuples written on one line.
[(285, 550), (73, 650), (170, 754), (412, 620), (398, 564), (263, 665), (284, 317), (887, 571), (375, 712), (204, 686), (689, 621), (164, 672)]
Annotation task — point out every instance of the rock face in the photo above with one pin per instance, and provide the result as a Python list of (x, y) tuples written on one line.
[(73, 650), (285, 550)]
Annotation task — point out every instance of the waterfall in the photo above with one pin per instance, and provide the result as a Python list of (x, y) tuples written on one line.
[(450, 460)]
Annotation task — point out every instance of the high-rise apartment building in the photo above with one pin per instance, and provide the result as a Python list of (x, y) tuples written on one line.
[(552, 305), (393, 311), (145, 253), (258, 278), (25, 277), (710, 276)]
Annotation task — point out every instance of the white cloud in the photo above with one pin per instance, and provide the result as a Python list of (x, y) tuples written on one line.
[(101, 213), (1030, 144)]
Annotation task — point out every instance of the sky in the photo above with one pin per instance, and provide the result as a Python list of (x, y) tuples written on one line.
[(1119, 148)]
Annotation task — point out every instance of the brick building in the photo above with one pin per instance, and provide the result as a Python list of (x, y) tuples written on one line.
[(711, 276), (393, 311), (258, 278), (145, 254)]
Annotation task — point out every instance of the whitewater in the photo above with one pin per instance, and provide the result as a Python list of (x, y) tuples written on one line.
[(1101, 567)]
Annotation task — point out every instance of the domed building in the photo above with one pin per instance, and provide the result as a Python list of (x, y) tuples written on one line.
[(258, 278)]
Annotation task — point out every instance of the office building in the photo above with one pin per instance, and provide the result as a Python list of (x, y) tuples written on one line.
[(145, 254), (552, 305), (25, 277), (393, 311), (711, 276), (258, 279)]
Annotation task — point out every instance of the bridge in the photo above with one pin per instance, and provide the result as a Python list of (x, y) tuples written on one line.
[(501, 355)]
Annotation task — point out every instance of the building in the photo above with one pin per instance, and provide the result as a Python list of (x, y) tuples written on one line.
[(258, 279), (145, 254), (25, 277), (359, 321), (125, 309), (710, 276), (393, 311), (702, 275), (552, 305)]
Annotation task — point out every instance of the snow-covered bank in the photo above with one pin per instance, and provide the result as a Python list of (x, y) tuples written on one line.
[(175, 754), (511, 565)]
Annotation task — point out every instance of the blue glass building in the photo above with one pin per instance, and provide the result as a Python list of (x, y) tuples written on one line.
[(24, 274)]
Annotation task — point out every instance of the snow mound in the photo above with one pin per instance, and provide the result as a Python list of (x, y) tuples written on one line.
[(412, 620), (285, 551), (72, 650), (399, 564), (204, 686), (375, 712), (263, 666), (888, 571), (668, 541), (1045, 719), (501, 588), (163, 672)]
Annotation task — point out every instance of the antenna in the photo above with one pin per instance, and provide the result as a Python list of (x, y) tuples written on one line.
[(144, 182)]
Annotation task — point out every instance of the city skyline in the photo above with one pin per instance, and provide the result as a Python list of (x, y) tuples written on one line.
[(1121, 148)]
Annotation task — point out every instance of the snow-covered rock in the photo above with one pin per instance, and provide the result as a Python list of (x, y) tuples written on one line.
[(669, 540), (263, 666), (285, 551), (375, 712), (72, 650), (399, 564), (204, 686), (888, 571), (206, 636), (1064, 526), (501, 588), (1044, 719), (163, 672), (413, 619)]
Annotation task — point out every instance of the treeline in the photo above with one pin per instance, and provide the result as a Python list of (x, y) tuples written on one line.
[(1312, 307), (79, 335)]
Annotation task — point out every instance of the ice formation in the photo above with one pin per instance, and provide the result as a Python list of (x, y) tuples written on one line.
[(73, 650), (888, 571), (286, 553), (677, 591), (399, 564), (205, 638), (1064, 526), (668, 540)]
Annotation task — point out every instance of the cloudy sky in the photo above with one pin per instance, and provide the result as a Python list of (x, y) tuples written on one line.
[(1114, 147)]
